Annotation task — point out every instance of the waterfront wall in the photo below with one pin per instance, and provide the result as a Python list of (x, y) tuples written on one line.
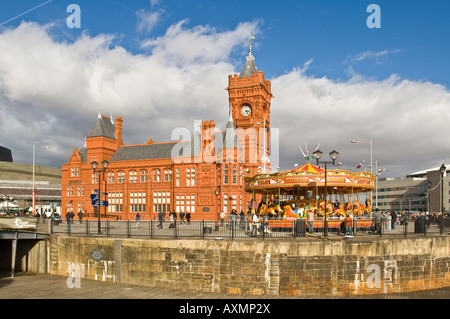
[(301, 267)]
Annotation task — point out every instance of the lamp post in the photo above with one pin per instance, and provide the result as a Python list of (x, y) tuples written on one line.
[(428, 196), (94, 166), (318, 155), (442, 170)]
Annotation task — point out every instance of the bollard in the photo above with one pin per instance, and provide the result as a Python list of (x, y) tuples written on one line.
[(87, 228)]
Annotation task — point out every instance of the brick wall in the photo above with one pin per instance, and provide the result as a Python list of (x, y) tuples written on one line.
[(301, 267)]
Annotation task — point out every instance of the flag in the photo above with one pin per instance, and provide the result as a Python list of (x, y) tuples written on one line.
[(380, 171), (306, 148), (304, 155)]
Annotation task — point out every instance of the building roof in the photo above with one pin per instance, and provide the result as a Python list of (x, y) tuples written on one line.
[(175, 149), (424, 172), (103, 126), (249, 67), (145, 151)]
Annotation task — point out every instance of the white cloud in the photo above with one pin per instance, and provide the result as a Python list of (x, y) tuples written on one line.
[(147, 20), (50, 93), (407, 120), (379, 57)]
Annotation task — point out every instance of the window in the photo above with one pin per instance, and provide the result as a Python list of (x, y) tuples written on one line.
[(133, 176), (167, 175), (144, 174), (192, 177), (115, 201), (74, 171), (178, 177), (80, 190), (137, 202), (225, 174), (185, 203), (156, 175), (94, 178), (110, 177), (225, 203), (120, 177), (161, 201), (234, 174)]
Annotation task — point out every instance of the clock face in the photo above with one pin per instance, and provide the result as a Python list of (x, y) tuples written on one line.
[(246, 110)]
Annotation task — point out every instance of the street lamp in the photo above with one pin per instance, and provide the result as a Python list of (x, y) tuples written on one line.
[(442, 171), (428, 196), (333, 155), (94, 166)]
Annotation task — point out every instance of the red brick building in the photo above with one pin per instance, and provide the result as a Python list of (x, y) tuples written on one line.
[(203, 175)]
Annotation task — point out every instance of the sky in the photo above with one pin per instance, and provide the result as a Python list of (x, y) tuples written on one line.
[(340, 71)]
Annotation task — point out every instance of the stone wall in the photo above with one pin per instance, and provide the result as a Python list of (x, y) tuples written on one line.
[(301, 267)]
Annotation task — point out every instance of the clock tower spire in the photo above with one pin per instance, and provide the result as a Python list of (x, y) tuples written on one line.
[(249, 95)]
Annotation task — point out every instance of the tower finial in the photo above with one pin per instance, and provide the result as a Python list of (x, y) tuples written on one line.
[(250, 38)]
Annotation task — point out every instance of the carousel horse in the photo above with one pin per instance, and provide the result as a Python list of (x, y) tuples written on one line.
[(340, 211)]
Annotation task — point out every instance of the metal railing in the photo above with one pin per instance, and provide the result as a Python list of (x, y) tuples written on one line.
[(242, 228)]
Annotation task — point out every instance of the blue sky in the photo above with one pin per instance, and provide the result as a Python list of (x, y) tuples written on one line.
[(322, 58), (334, 33)]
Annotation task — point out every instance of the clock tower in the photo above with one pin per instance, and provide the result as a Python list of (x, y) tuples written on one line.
[(249, 96)]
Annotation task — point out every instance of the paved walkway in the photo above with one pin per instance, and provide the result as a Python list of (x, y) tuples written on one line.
[(38, 286)]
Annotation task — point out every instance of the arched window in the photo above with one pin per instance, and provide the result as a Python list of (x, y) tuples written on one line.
[(156, 175), (133, 176), (144, 175), (225, 174), (120, 177), (110, 177), (167, 175)]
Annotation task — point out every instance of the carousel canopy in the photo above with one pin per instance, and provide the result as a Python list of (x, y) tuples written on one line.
[(310, 176)]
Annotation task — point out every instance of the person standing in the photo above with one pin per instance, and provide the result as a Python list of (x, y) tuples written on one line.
[(188, 218), (311, 221), (255, 220), (182, 215), (348, 222), (377, 220), (138, 220), (80, 217), (161, 220), (222, 218), (394, 219)]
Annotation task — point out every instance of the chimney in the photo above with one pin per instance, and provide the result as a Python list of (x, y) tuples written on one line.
[(119, 131)]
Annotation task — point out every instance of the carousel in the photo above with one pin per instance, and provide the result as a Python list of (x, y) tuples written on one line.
[(293, 194)]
